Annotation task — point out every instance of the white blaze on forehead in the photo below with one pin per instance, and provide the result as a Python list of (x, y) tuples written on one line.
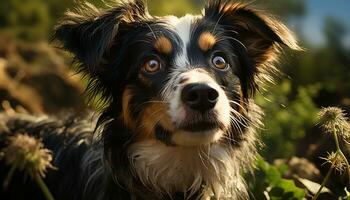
[(182, 27), (198, 76)]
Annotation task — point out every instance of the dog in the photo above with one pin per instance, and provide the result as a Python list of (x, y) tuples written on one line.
[(179, 120)]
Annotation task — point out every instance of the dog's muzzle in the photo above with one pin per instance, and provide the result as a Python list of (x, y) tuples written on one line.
[(198, 108)]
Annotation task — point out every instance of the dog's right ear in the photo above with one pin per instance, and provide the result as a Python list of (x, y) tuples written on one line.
[(88, 32)]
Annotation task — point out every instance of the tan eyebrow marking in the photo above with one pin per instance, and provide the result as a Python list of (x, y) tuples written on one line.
[(206, 41), (163, 45)]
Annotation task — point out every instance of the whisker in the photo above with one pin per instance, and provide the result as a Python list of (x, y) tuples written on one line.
[(238, 113), (217, 23), (238, 104), (230, 139), (240, 121), (235, 39), (236, 126)]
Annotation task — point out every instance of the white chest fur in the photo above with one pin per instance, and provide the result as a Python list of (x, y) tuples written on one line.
[(166, 169)]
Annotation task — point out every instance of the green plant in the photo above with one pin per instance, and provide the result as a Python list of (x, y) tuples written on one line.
[(333, 120), (269, 184)]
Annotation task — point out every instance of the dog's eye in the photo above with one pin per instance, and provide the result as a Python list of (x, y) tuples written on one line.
[(219, 62), (152, 66)]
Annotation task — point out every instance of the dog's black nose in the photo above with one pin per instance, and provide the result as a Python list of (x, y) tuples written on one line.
[(199, 96)]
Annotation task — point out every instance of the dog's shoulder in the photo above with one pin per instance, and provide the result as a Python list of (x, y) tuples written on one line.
[(63, 128), (67, 136)]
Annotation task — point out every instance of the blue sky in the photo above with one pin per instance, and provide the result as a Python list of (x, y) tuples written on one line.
[(317, 11)]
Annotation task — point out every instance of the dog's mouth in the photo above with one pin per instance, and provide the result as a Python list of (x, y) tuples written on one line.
[(198, 129), (200, 126), (200, 122)]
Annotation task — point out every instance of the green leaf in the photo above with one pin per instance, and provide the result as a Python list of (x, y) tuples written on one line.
[(270, 181)]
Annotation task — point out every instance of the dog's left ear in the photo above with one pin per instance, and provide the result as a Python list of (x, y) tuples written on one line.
[(95, 36), (259, 32), (88, 32)]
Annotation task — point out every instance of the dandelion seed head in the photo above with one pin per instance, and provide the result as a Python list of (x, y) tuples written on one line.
[(333, 118), (27, 153), (339, 163)]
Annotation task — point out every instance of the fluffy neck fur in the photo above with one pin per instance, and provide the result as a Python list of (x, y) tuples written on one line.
[(168, 169)]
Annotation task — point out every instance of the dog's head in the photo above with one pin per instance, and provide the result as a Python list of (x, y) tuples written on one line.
[(185, 81)]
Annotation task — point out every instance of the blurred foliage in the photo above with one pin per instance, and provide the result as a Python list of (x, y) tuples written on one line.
[(289, 8), (178, 7), (34, 19), (327, 66), (27, 19), (288, 118)]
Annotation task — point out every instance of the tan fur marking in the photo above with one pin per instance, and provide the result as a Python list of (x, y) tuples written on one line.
[(163, 45), (129, 122), (206, 41), (153, 114), (144, 125)]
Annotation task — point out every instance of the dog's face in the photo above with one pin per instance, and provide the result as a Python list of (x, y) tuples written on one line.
[(184, 81)]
